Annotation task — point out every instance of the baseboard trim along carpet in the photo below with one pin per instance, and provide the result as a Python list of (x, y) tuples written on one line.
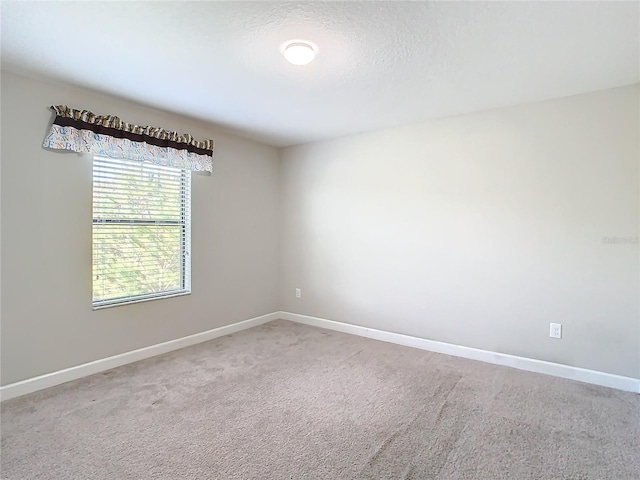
[(61, 376), (594, 377), (34, 384)]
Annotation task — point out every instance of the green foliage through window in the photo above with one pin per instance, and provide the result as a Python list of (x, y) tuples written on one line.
[(141, 231)]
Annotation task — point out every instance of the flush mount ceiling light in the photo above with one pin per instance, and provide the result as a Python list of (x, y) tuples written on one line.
[(299, 52)]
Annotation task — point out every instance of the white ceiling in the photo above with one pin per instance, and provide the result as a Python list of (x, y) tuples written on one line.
[(380, 64)]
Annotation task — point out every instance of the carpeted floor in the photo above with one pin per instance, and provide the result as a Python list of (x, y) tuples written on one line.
[(288, 401)]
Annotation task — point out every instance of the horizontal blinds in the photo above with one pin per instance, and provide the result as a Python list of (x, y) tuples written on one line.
[(136, 190), (141, 234)]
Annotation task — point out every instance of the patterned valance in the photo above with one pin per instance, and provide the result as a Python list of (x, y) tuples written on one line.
[(84, 132)]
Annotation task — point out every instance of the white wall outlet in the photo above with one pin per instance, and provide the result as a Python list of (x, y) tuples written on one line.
[(555, 330), (298, 293)]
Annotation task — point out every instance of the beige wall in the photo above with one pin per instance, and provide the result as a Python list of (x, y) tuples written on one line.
[(47, 320), (477, 230)]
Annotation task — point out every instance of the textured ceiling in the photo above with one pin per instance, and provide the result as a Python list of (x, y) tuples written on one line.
[(380, 64)]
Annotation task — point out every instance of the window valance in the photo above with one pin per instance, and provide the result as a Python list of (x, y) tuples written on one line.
[(84, 132)]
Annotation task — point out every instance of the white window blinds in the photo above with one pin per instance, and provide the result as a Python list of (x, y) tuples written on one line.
[(141, 231)]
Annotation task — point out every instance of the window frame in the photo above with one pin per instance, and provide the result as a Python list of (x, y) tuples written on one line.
[(185, 240)]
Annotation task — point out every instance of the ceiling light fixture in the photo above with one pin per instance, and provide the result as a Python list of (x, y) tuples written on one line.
[(299, 52)]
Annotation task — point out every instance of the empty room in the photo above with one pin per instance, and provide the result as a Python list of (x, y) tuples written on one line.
[(320, 240)]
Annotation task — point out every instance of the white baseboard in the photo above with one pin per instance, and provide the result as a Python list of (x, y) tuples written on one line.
[(56, 378), (539, 366), (594, 377)]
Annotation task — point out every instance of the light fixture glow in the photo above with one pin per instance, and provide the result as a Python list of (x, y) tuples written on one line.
[(299, 52)]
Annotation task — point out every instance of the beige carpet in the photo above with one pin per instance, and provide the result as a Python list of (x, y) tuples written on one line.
[(287, 401)]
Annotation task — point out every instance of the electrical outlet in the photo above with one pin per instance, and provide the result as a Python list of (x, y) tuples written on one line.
[(555, 330), (298, 293)]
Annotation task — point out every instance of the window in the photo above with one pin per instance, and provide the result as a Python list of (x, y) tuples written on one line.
[(141, 231)]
